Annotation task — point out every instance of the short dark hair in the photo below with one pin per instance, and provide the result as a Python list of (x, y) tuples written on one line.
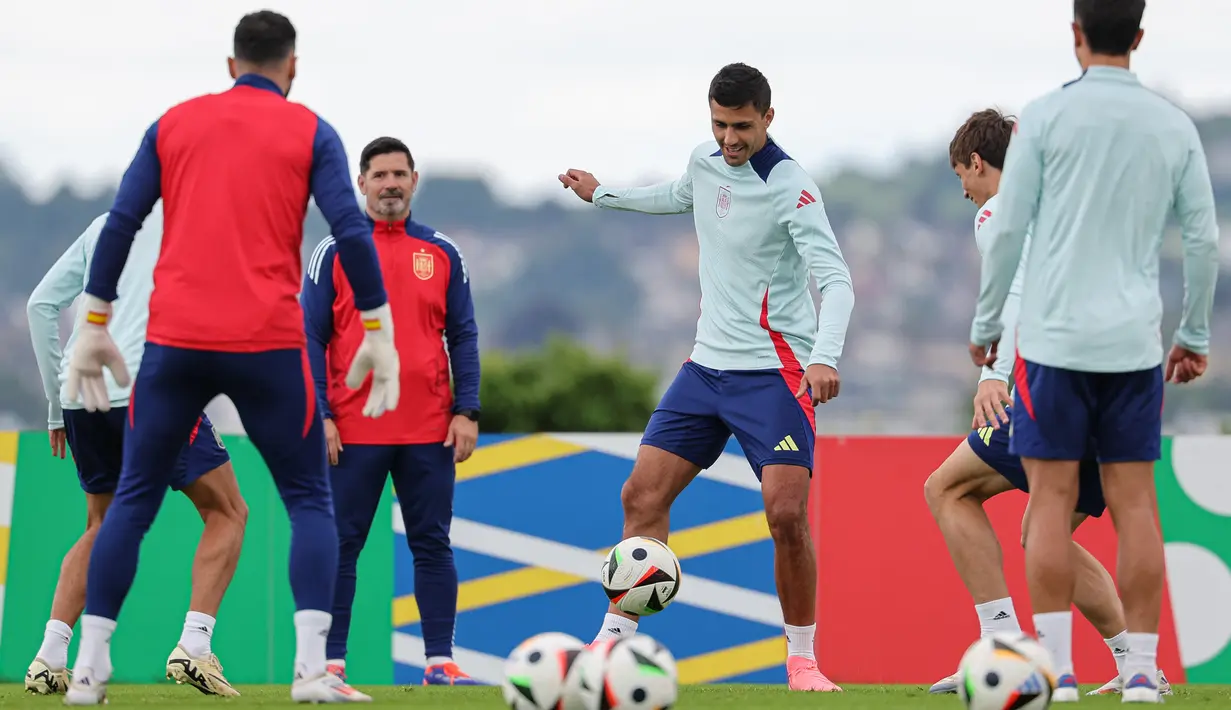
[(383, 146), (1110, 26), (987, 133), (737, 85), (264, 38)]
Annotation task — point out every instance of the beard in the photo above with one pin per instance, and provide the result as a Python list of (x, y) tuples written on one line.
[(391, 204)]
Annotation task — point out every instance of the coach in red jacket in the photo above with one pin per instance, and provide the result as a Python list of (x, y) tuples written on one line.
[(436, 427)]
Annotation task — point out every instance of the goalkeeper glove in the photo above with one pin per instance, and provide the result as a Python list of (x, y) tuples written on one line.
[(94, 350), (377, 355)]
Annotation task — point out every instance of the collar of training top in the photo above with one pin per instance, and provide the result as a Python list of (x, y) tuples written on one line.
[(257, 81), (406, 224), (1102, 71)]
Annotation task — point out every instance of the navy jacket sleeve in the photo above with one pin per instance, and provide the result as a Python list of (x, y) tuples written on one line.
[(461, 333), (139, 191), (332, 191), (317, 298)]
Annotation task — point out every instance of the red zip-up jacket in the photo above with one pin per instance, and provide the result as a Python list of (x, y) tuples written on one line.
[(235, 171), (429, 294)]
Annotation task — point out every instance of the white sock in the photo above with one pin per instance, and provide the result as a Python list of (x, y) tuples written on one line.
[(801, 641), (997, 615), (311, 630), (54, 650), (339, 662), (1142, 655), (95, 649), (616, 626), (438, 661), (198, 630), (1118, 645), (1055, 630)]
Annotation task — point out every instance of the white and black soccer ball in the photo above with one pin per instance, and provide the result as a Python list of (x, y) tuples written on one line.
[(583, 687), (639, 674), (535, 671), (1006, 670), (641, 576)]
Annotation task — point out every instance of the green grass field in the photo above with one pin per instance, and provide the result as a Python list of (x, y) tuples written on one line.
[(866, 697)]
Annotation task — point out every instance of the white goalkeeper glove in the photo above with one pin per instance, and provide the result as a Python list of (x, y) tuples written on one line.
[(93, 350), (378, 356)]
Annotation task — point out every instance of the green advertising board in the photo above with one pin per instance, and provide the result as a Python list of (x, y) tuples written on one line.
[(254, 638)]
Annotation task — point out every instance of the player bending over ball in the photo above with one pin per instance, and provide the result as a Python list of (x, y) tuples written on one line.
[(1094, 171), (96, 440), (762, 360), (982, 467), (235, 171)]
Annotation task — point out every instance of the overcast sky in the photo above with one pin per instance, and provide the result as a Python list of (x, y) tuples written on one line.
[(522, 90)]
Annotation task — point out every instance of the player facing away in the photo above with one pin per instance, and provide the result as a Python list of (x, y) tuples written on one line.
[(982, 467), (235, 171), (96, 439), (1098, 166), (419, 446), (762, 359)]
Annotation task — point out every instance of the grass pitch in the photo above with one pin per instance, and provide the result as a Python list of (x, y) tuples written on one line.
[(856, 697)]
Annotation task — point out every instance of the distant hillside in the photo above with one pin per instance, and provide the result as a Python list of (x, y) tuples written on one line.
[(628, 283)]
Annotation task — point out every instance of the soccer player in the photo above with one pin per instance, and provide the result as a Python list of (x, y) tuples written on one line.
[(96, 439), (234, 171), (762, 359), (419, 446), (982, 467), (1097, 167)]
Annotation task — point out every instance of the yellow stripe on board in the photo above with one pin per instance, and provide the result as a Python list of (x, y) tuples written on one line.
[(8, 447), (528, 581), (732, 662), (516, 453), (4, 555)]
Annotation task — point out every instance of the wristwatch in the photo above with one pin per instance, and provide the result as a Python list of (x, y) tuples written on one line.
[(471, 414)]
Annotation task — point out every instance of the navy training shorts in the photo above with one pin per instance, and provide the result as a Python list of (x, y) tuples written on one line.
[(1058, 414), (96, 440), (703, 407), (992, 445)]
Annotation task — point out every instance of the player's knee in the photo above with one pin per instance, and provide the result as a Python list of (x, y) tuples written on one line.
[(641, 502), (941, 488), (431, 553), (429, 542), (96, 510), (933, 491), (239, 512), (788, 519), (218, 499)]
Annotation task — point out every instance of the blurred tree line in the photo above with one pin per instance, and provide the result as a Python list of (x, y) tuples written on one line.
[(562, 386)]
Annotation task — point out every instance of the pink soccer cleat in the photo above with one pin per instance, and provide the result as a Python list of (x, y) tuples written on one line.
[(802, 674)]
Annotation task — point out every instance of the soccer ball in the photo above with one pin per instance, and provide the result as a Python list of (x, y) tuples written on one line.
[(583, 687), (641, 576), (1006, 670), (535, 671), (640, 673)]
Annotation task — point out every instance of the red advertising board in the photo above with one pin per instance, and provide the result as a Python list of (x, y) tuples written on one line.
[(890, 606)]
